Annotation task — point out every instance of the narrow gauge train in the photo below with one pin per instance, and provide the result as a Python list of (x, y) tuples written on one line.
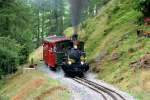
[(59, 51)]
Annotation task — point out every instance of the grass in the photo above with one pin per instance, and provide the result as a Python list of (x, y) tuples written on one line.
[(114, 31), (33, 85)]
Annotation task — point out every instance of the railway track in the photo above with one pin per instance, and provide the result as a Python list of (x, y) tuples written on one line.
[(102, 90)]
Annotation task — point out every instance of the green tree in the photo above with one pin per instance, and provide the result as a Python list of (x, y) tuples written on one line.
[(16, 34)]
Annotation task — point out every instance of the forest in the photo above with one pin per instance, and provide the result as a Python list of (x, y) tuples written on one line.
[(25, 23)]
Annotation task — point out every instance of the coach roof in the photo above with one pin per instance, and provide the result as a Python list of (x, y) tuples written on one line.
[(55, 39)]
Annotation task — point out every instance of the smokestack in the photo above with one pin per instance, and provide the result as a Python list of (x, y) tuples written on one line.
[(76, 7)]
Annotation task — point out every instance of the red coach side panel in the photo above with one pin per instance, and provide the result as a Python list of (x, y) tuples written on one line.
[(49, 55)]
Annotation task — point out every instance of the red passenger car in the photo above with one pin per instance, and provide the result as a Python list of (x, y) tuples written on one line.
[(53, 50)]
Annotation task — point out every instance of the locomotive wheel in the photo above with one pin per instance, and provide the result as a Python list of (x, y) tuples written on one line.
[(46, 64), (53, 69), (80, 75), (68, 74), (74, 75)]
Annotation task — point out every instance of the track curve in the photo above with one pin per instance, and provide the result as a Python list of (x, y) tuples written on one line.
[(99, 89)]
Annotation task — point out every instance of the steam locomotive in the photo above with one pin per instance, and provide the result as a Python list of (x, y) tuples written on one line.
[(59, 51)]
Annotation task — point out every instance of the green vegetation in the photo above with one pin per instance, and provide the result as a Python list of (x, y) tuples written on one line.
[(23, 25), (9, 55), (15, 35), (112, 32), (28, 84), (33, 84)]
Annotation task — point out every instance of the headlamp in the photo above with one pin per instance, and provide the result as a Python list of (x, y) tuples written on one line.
[(82, 62), (69, 62), (75, 46)]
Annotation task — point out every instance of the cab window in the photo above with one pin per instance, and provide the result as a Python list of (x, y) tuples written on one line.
[(63, 46)]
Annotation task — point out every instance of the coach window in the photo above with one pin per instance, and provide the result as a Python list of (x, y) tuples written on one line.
[(54, 49), (58, 47)]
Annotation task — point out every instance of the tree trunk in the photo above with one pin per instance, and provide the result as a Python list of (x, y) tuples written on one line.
[(38, 32), (43, 19)]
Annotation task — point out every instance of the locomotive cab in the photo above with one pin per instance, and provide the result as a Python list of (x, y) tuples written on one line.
[(61, 51), (75, 64)]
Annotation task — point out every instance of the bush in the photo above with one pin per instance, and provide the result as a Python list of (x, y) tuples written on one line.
[(9, 59), (143, 6), (24, 54)]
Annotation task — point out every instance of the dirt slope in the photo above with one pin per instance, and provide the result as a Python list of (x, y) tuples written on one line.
[(33, 85)]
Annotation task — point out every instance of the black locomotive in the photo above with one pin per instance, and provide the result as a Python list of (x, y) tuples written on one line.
[(75, 62)]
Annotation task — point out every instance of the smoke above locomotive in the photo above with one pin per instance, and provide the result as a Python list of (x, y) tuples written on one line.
[(76, 7)]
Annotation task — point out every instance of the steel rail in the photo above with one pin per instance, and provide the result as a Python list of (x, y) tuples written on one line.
[(91, 87), (102, 87), (99, 88)]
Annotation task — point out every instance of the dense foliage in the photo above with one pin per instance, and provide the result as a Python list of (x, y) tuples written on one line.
[(143, 6), (15, 34), (9, 55)]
